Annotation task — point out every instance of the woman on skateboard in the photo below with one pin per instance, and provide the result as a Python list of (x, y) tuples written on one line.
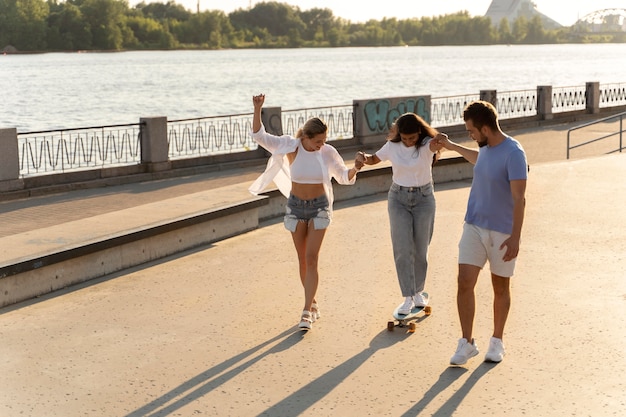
[(412, 147), (302, 168)]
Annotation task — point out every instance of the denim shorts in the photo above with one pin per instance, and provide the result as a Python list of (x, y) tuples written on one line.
[(298, 210)]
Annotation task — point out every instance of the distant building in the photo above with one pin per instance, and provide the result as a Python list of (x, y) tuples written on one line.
[(512, 9), (607, 20)]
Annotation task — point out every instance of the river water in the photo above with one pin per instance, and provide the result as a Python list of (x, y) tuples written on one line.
[(68, 90)]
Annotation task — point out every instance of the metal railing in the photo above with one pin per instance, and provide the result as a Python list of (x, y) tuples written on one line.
[(619, 133), (511, 104), (209, 136), (54, 151), (448, 111), (569, 99), (48, 152), (612, 95), (339, 119)]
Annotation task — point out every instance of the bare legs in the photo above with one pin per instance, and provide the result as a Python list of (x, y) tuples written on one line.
[(466, 300), (308, 242), (501, 303)]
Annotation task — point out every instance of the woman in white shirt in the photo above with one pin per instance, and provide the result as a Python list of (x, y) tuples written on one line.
[(302, 168), (412, 147)]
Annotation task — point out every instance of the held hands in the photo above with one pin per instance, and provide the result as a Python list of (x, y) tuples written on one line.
[(441, 141), (258, 101), (359, 160)]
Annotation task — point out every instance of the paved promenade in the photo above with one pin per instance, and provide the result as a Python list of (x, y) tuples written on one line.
[(212, 332)]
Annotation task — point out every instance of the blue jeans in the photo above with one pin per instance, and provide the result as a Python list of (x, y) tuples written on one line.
[(412, 220)]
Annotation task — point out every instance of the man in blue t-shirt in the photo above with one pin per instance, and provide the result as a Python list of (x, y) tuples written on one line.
[(493, 223)]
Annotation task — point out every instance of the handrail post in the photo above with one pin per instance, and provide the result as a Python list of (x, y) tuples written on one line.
[(9, 155), (621, 132), (272, 119), (544, 102), (568, 133), (490, 96), (154, 146), (592, 96)]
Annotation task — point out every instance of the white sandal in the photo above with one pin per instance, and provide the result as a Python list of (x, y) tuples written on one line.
[(315, 312), (306, 320)]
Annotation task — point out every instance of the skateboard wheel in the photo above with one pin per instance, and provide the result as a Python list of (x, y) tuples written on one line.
[(390, 325), (428, 310), (412, 328)]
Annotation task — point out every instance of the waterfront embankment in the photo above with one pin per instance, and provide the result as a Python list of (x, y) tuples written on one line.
[(212, 330)]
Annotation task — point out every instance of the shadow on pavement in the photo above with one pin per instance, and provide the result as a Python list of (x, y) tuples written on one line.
[(446, 379), (298, 402), (209, 380)]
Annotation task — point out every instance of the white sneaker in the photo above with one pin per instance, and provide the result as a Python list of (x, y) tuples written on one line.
[(407, 306), (496, 350), (464, 351), (419, 300)]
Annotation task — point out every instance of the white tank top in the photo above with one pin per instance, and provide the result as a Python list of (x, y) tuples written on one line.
[(306, 168)]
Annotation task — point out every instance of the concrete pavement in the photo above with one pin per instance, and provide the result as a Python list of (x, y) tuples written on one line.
[(212, 331)]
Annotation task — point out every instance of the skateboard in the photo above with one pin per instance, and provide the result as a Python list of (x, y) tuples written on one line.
[(403, 319)]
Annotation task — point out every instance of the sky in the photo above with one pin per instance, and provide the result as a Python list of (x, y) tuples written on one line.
[(564, 12)]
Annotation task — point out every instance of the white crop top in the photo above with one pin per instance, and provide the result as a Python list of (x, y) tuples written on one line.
[(307, 168)]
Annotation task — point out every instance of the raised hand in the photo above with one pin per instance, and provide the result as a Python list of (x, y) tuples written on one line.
[(258, 100)]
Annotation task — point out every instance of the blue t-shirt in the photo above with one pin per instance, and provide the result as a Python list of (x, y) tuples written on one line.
[(490, 203)]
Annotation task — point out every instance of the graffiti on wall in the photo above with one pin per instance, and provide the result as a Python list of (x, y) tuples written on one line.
[(380, 114)]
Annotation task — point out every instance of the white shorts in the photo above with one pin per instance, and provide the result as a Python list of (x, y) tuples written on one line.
[(478, 245)]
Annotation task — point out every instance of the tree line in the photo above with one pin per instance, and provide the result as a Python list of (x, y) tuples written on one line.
[(54, 25)]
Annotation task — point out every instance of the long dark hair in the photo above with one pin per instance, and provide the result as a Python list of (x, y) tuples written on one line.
[(410, 123)]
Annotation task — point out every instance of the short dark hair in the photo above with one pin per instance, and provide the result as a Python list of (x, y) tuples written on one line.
[(481, 113)]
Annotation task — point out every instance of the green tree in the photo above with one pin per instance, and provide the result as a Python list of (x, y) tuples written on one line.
[(149, 33), (112, 25), (431, 32), (67, 29), (317, 24), (391, 36), (338, 37), (8, 22), (455, 29), (504, 32), (207, 29), (368, 34), (535, 33), (480, 31), (520, 29), (278, 20), (106, 22), (163, 12), (23, 24), (410, 31)]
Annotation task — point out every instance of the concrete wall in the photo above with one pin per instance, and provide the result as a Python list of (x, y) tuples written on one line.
[(30, 275)]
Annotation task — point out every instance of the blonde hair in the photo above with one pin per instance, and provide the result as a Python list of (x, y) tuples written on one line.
[(312, 127)]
